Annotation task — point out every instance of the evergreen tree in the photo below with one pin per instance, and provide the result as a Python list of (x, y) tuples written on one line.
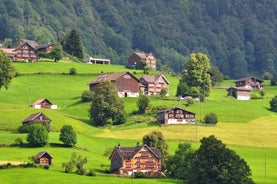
[(106, 106), (7, 71), (72, 44)]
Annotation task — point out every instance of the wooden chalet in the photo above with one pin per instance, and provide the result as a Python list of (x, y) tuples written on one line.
[(140, 158), (154, 84), (43, 103), (136, 59), (240, 93), (27, 50), (43, 158), (126, 83), (175, 115), (38, 118), (249, 82)]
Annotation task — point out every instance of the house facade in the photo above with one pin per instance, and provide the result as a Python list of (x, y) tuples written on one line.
[(43, 103), (249, 82), (175, 115), (154, 84), (43, 158), (27, 51), (38, 118), (240, 93), (140, 158), (126, 84), (137, 58)]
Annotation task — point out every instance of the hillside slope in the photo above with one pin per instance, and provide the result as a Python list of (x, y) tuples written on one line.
[(239, 36)]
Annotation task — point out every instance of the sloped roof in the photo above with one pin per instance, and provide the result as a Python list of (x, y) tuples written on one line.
[(154, 78), (39, 101), (239, 89), (175, 108), (32, 117), (40, 154), (130, 152), (110, 77), (143, 55), (250, 77), (34, 44)]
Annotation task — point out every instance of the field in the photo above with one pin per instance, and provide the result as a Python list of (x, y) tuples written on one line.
[(248, 127)]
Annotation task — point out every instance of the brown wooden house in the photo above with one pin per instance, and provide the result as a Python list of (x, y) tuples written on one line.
[(43, 103), (126, 83), (137, 58), (43, 158), (154, 84), (141, 158), (28, 50), (240, 93), (175, 115), (38, 118), (249, 82)]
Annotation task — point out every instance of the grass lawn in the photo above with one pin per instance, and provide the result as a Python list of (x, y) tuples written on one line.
[(248, 127)]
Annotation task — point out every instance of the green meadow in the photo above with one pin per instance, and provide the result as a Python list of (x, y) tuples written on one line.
[(248, 127)]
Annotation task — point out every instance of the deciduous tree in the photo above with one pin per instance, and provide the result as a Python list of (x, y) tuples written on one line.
[(106, 106), (142, 103), (7, 71), (68, 135), (214, 163), (38, 135)]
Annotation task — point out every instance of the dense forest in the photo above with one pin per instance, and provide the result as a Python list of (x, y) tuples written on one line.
[(239, 36)]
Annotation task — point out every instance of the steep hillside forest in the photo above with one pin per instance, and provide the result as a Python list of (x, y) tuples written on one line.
[(239, 36)]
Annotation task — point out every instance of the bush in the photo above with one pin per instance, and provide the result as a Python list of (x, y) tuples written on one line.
[(38, 135), (18, 141), (139, 175), (210, 118), (273, 104), (81, 171), (87, 96), (24, 129), (46, 167), (72, 71), (158, 108), (91, 172), (68, 135)]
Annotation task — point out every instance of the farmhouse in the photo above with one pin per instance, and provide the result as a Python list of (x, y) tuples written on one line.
[(249, 82), (43, 103), (137, 58), (43, 158), (38, 118), (175, 115), (27, 50), (126, 83), (154, 84), (126, 160), (239, 93)]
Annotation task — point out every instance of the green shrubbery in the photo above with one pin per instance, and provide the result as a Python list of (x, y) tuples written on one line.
[(210, 118), (87, 96)]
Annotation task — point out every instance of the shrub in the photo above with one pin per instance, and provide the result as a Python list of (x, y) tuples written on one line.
[(273, 104), (38, 135), (158, 108), (72, 71), (46, 167), (68, 135), (211, 118), (24, 129), (81, 171), (91, 172), (18, 141), (87, 96), (139, 175), (190, 101)]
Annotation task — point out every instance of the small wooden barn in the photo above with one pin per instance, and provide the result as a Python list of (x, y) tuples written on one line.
[(38, 118), (43, 103), (239, 93), (43, 158), (175, 115)]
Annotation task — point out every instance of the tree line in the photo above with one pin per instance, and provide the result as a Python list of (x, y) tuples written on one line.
[(238, 36)]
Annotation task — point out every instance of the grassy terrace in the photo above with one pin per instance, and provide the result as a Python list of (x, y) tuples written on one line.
[(248, 127)]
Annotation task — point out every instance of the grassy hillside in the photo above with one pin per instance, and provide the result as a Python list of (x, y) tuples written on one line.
[(246, 126)]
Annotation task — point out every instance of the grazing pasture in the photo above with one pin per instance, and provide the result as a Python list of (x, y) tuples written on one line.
[(248, 127)]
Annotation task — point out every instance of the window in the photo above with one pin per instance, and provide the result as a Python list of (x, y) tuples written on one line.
[(128, 165)]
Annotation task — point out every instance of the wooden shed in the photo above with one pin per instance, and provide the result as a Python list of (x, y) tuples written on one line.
[(43, 103), (43, 158), (38, 118)]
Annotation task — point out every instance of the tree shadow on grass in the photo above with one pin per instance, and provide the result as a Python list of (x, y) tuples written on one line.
[(86, 121), (76, 103)]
